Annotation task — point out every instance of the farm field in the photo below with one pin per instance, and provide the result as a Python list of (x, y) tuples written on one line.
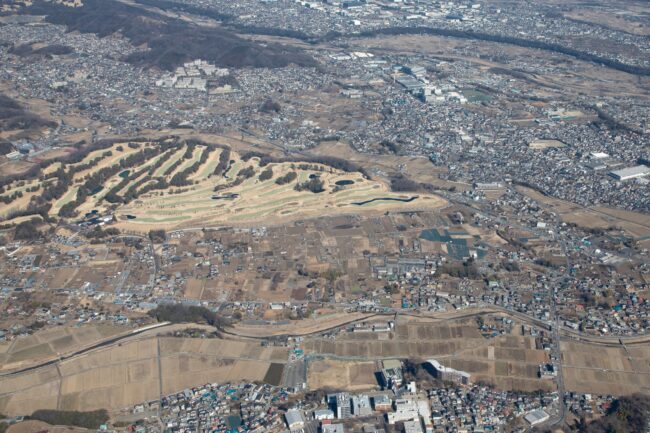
[(33, 426), (606, 370), (127, 373), (50, 342), (345, 375), (508, 361), (273, 375)]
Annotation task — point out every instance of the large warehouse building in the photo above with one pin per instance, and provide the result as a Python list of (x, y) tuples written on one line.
[(536, 417), (630, 172)]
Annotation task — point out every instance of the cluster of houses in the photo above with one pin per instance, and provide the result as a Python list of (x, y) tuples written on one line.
[(224, 408)]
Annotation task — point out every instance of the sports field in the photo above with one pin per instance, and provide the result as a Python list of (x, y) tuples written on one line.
[(175, 184), (255, 200)]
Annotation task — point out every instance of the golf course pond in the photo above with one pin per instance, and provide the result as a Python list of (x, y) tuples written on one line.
[(404, 200)]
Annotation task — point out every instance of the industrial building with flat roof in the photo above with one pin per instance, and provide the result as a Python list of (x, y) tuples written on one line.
[(294, 419), (536, 417), (413, 427), (322, 414), (630, 172), (382, 403), (333, 428)]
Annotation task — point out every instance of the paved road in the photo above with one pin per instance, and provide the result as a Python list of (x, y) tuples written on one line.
[(160, 377), (568, 333), (556, 283)]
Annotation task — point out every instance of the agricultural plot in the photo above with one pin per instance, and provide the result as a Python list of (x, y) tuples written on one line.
[(33, 426), (103, 274), (124, 374), (606, 370), (183, 370), (224, 348), (341, 375), (28, 392), (194, 288), (508, 361), (50, 342), (273, 375), (414, 339)]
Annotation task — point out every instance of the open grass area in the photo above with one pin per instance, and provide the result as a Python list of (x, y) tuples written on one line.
[(158, 188), (16, 188), (211, 163), (67, 198), (175, 157), (104, 161), (196, 155), (252, 200), (347, 375)]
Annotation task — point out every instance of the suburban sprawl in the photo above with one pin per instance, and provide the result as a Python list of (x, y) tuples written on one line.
[(324, 216)]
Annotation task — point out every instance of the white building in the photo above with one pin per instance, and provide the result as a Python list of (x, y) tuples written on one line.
[(447, 373), (598, 155), (630, 172), (294, 419), (536, 417), (322, 414), (341, 403)]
